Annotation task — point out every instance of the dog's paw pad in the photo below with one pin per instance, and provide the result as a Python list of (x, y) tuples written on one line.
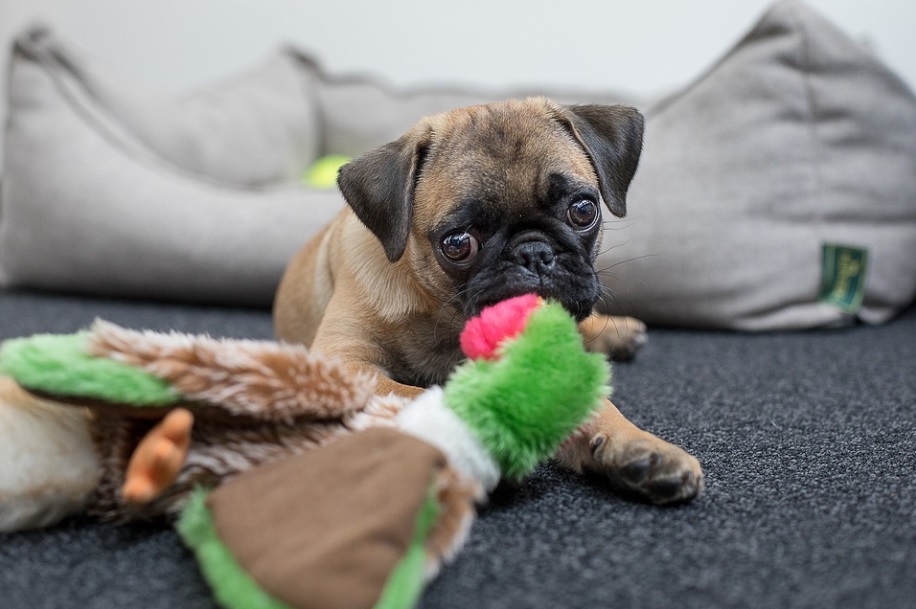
[(628, 350), (653, 470), (620, 338)]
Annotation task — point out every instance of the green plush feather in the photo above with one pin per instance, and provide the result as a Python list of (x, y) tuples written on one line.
[(59, 365), (405, 583), (523, 405), (231, 584)]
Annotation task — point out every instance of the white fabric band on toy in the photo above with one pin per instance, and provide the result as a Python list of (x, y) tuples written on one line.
[(429, 419)]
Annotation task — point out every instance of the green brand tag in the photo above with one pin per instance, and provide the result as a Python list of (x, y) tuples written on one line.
[(843, 277)]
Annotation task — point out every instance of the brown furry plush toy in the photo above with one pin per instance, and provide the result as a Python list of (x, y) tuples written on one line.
[(297, 486)]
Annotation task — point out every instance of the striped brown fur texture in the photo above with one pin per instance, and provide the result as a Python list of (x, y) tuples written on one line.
[(280, 400), (261, 379), (217, 453)]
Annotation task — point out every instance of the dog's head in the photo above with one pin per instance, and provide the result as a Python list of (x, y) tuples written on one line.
[(488, 202)]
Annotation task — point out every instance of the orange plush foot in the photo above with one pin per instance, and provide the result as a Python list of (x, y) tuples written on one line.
[(158, 458)]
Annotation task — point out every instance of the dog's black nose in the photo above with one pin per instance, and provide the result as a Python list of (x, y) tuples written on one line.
[(536, 256)]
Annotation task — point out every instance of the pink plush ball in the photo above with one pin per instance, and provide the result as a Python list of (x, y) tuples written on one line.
[(496, 324)]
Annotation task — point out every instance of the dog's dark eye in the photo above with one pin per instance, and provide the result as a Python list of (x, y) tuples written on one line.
[(583, 214), (459, 247)]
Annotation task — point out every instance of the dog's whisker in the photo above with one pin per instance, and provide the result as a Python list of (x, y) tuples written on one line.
[(618, 276), (617, 263), (606, 250), (448, 308), (612, 303), (616, 225)]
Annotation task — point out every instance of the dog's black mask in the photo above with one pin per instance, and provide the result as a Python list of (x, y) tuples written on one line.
[(549, 253), (557, 268)]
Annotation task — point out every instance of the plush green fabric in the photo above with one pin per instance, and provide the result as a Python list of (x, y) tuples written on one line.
[(404, 586), (523, 405), (59, 364)]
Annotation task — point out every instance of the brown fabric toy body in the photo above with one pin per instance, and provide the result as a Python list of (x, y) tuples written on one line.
[(331, 545)]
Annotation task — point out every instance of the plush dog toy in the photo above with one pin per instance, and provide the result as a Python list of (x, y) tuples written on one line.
[(389, 491)]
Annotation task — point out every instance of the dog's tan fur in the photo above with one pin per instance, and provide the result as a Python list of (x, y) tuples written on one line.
[(392, 310)]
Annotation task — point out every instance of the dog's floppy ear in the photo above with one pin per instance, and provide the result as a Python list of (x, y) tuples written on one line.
[(612, 136), (380, 185)]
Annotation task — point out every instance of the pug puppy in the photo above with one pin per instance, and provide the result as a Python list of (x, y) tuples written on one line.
[(468, 208)]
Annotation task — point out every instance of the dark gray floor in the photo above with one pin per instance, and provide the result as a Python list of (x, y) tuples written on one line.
[(808, 440)]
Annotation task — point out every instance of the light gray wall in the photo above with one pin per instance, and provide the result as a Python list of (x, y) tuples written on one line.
[(645, 47)]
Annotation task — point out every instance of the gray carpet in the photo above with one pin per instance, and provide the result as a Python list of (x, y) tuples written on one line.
[(809, 445)]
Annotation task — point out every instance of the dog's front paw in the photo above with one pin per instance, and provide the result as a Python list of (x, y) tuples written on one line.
[(620, 338), (649, 467)]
